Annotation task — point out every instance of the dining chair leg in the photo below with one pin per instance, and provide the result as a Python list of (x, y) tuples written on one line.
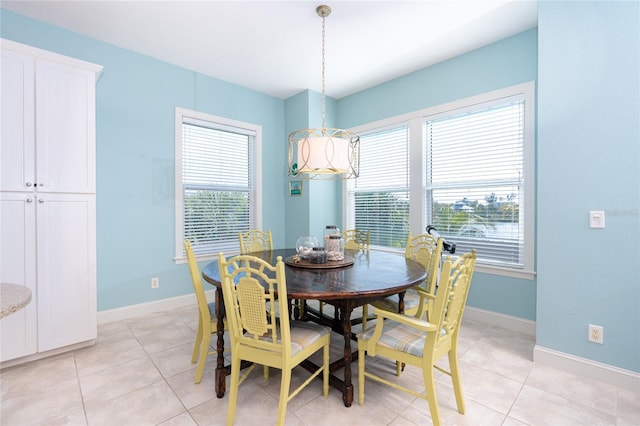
[(430, 390), (284, 396), (196, 345), (325, 372), (202, 359), (233, 390), (361, 355), (455, 378)]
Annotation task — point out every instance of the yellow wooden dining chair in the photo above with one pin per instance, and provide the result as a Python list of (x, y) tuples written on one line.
[(356, 239), (422, 343), (427, 250), (255, 240), (249, 286), (207, 320)]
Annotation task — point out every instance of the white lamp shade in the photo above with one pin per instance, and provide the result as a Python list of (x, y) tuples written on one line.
[(323, 154)]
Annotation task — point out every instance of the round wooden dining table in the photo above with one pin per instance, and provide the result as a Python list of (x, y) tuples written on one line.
[(372, 275)]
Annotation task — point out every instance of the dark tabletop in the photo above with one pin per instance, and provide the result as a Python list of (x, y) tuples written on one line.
[(373, 274)]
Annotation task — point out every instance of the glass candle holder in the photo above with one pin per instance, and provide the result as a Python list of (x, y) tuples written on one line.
[(335, 248), (318, 255)]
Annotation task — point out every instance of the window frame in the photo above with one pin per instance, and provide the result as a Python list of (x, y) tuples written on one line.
[(417, 151), (183, 115)]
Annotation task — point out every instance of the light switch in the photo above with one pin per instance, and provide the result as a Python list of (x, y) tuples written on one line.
[(596, 219)]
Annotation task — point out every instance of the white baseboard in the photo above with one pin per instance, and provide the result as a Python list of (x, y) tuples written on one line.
[(501, 320), (585, 367), (142, 309), (40, 355)]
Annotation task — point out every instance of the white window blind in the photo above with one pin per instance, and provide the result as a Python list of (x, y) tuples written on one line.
[(378, 200), (217, 180), (475, 180)]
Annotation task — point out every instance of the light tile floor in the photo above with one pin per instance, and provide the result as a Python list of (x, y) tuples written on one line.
[(139, 373)]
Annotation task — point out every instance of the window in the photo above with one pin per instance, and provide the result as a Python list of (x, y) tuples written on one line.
[(471, 177), (378, 200), (217, 193), (476, 181)]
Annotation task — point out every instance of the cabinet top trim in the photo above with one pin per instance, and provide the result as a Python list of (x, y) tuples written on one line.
[(50, 56)]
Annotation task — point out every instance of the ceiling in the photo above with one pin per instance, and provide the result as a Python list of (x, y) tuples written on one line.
[(275, 47)]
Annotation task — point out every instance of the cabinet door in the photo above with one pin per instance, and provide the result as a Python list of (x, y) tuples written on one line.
[(18, 331), (17, 161), (65, 131), (66, 258)]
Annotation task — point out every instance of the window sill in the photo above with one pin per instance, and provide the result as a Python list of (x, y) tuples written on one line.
[(505, 272)]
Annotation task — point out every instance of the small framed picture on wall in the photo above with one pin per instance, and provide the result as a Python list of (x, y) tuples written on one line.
[(295, 187)]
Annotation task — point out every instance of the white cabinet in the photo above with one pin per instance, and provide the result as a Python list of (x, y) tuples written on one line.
[(18, 331), (62, 97), (66, 267), (17, 110), (47, 198)]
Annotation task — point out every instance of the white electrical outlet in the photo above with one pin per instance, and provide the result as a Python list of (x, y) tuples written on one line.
[(596, 334), (155, 282)]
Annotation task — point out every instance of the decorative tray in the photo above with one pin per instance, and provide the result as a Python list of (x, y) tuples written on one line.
[(303, 263)]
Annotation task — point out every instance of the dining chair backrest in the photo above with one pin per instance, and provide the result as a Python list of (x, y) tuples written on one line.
[(207, 320), (196, 279), (427, 250), (255, 240), (356, 239), (450, 301), (249, 286)]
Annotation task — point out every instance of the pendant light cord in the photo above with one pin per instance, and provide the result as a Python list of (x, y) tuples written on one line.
[(323, 83)]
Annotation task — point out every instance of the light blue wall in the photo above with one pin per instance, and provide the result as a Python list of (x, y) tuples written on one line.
[(297, 206), (136, 97), (502, 64), (508, 62), (589, 159)]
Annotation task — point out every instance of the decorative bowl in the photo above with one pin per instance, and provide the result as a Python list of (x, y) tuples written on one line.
[(305, 245)]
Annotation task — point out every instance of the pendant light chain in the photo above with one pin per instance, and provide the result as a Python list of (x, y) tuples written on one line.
[(323, 83)]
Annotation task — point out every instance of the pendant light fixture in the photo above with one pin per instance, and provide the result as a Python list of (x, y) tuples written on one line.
[(324, 153)]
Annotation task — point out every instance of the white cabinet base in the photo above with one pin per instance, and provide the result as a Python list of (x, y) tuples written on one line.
[(41, 355)]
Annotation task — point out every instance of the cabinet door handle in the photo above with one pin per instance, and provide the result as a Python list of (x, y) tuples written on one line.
[(41, 200), (29, 184), (29, 200)]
